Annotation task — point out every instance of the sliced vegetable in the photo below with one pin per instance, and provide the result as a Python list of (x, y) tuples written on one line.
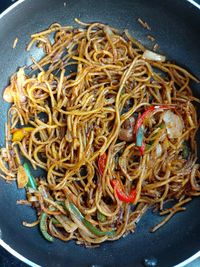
[(8, 94), (101, 217), (142, 148), (102, 163), (67, 223), (22, 177), (158, 150), (61, 203), (185, 150), (147, 147), (174, 124), (121, 194), (150, 55), (31, 180), (139, 124), (55, 221), (43, 228), (151, 142), (139, 137), (75, 211), (19, 134), (141, 119), (15, 90), (20, 85), (162, 126)]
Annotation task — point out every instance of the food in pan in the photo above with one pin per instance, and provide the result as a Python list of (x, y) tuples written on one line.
[(113, 126)]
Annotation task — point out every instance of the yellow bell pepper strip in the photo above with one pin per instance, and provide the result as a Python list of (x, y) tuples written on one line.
[(18, 134), (75, 211), (43, 227)]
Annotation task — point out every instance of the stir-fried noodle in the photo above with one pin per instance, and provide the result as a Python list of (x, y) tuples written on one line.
[(111, 123)]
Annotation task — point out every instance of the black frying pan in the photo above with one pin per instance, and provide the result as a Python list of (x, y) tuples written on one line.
[(176, 26)]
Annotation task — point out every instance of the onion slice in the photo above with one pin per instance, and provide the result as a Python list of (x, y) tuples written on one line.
[(158, 150), (22, 177), (174, 124), (150, 55), (16, 88)]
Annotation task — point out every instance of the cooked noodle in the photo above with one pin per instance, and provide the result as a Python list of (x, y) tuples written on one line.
[(82, 100)]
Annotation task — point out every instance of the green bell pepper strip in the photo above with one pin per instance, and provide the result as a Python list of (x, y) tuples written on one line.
[(43, 220), (61, 203), (88, 225), (101, 217), (31, 180), (43, 228), (55, 221), (140, 136), (162, 126), (185, 150)]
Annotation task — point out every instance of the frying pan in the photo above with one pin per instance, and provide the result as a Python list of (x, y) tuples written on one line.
[(175, 25)]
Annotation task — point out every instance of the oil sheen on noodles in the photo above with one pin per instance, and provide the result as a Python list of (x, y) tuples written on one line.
[(112, 124)]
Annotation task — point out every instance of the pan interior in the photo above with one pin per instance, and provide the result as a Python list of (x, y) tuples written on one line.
[(175, 25)]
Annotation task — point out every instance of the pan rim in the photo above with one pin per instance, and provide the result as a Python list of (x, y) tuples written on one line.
[(10, 8), (17, 254), (194, 3), (32, 264)]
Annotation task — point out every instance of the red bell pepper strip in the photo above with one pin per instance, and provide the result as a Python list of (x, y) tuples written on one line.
[(102, 163), (142, 148), (121, 194)]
